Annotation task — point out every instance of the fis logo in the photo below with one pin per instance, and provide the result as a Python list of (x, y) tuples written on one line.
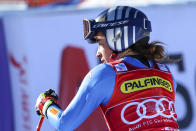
[(162, 67), (145, 83), (120, 67)]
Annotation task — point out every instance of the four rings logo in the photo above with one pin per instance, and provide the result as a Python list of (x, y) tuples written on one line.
[(145, 83), (159, 108)]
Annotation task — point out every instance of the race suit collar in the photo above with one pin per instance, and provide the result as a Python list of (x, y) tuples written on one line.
[(136, 62)]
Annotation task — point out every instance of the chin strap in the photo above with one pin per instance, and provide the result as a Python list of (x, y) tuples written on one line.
[(113, 56)]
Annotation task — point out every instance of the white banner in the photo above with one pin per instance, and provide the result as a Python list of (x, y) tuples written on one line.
[(38, 42)]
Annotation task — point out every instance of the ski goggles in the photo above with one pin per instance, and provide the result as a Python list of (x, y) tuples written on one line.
[(89, 31), (91, 26)]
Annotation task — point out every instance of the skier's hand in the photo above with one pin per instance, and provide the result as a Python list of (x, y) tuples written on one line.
[(44, 101)]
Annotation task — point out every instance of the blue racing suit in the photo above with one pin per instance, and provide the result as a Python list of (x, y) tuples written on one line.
[(96, 88)]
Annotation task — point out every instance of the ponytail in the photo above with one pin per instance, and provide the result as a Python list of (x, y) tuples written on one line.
[(155, 51), (149, 51)]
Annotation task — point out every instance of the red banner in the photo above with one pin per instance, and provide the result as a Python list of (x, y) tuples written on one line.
[(74, 67)]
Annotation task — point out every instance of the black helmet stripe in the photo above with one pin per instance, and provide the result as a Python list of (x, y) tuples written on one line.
[(122, 38), (116, 31), (132, 13), (132, 30), (123, 12)]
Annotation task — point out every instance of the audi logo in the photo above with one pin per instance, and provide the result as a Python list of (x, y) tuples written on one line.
[(159, 107)]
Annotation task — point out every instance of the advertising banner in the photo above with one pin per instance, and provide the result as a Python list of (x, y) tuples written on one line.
[(47, 50)]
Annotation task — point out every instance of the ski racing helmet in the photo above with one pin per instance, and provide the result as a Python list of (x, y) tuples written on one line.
[(122, 25)]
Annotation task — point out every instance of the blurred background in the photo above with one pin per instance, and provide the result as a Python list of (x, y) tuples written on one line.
[(42, 45)]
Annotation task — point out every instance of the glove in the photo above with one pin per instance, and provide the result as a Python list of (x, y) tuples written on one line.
[(44, 101)]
